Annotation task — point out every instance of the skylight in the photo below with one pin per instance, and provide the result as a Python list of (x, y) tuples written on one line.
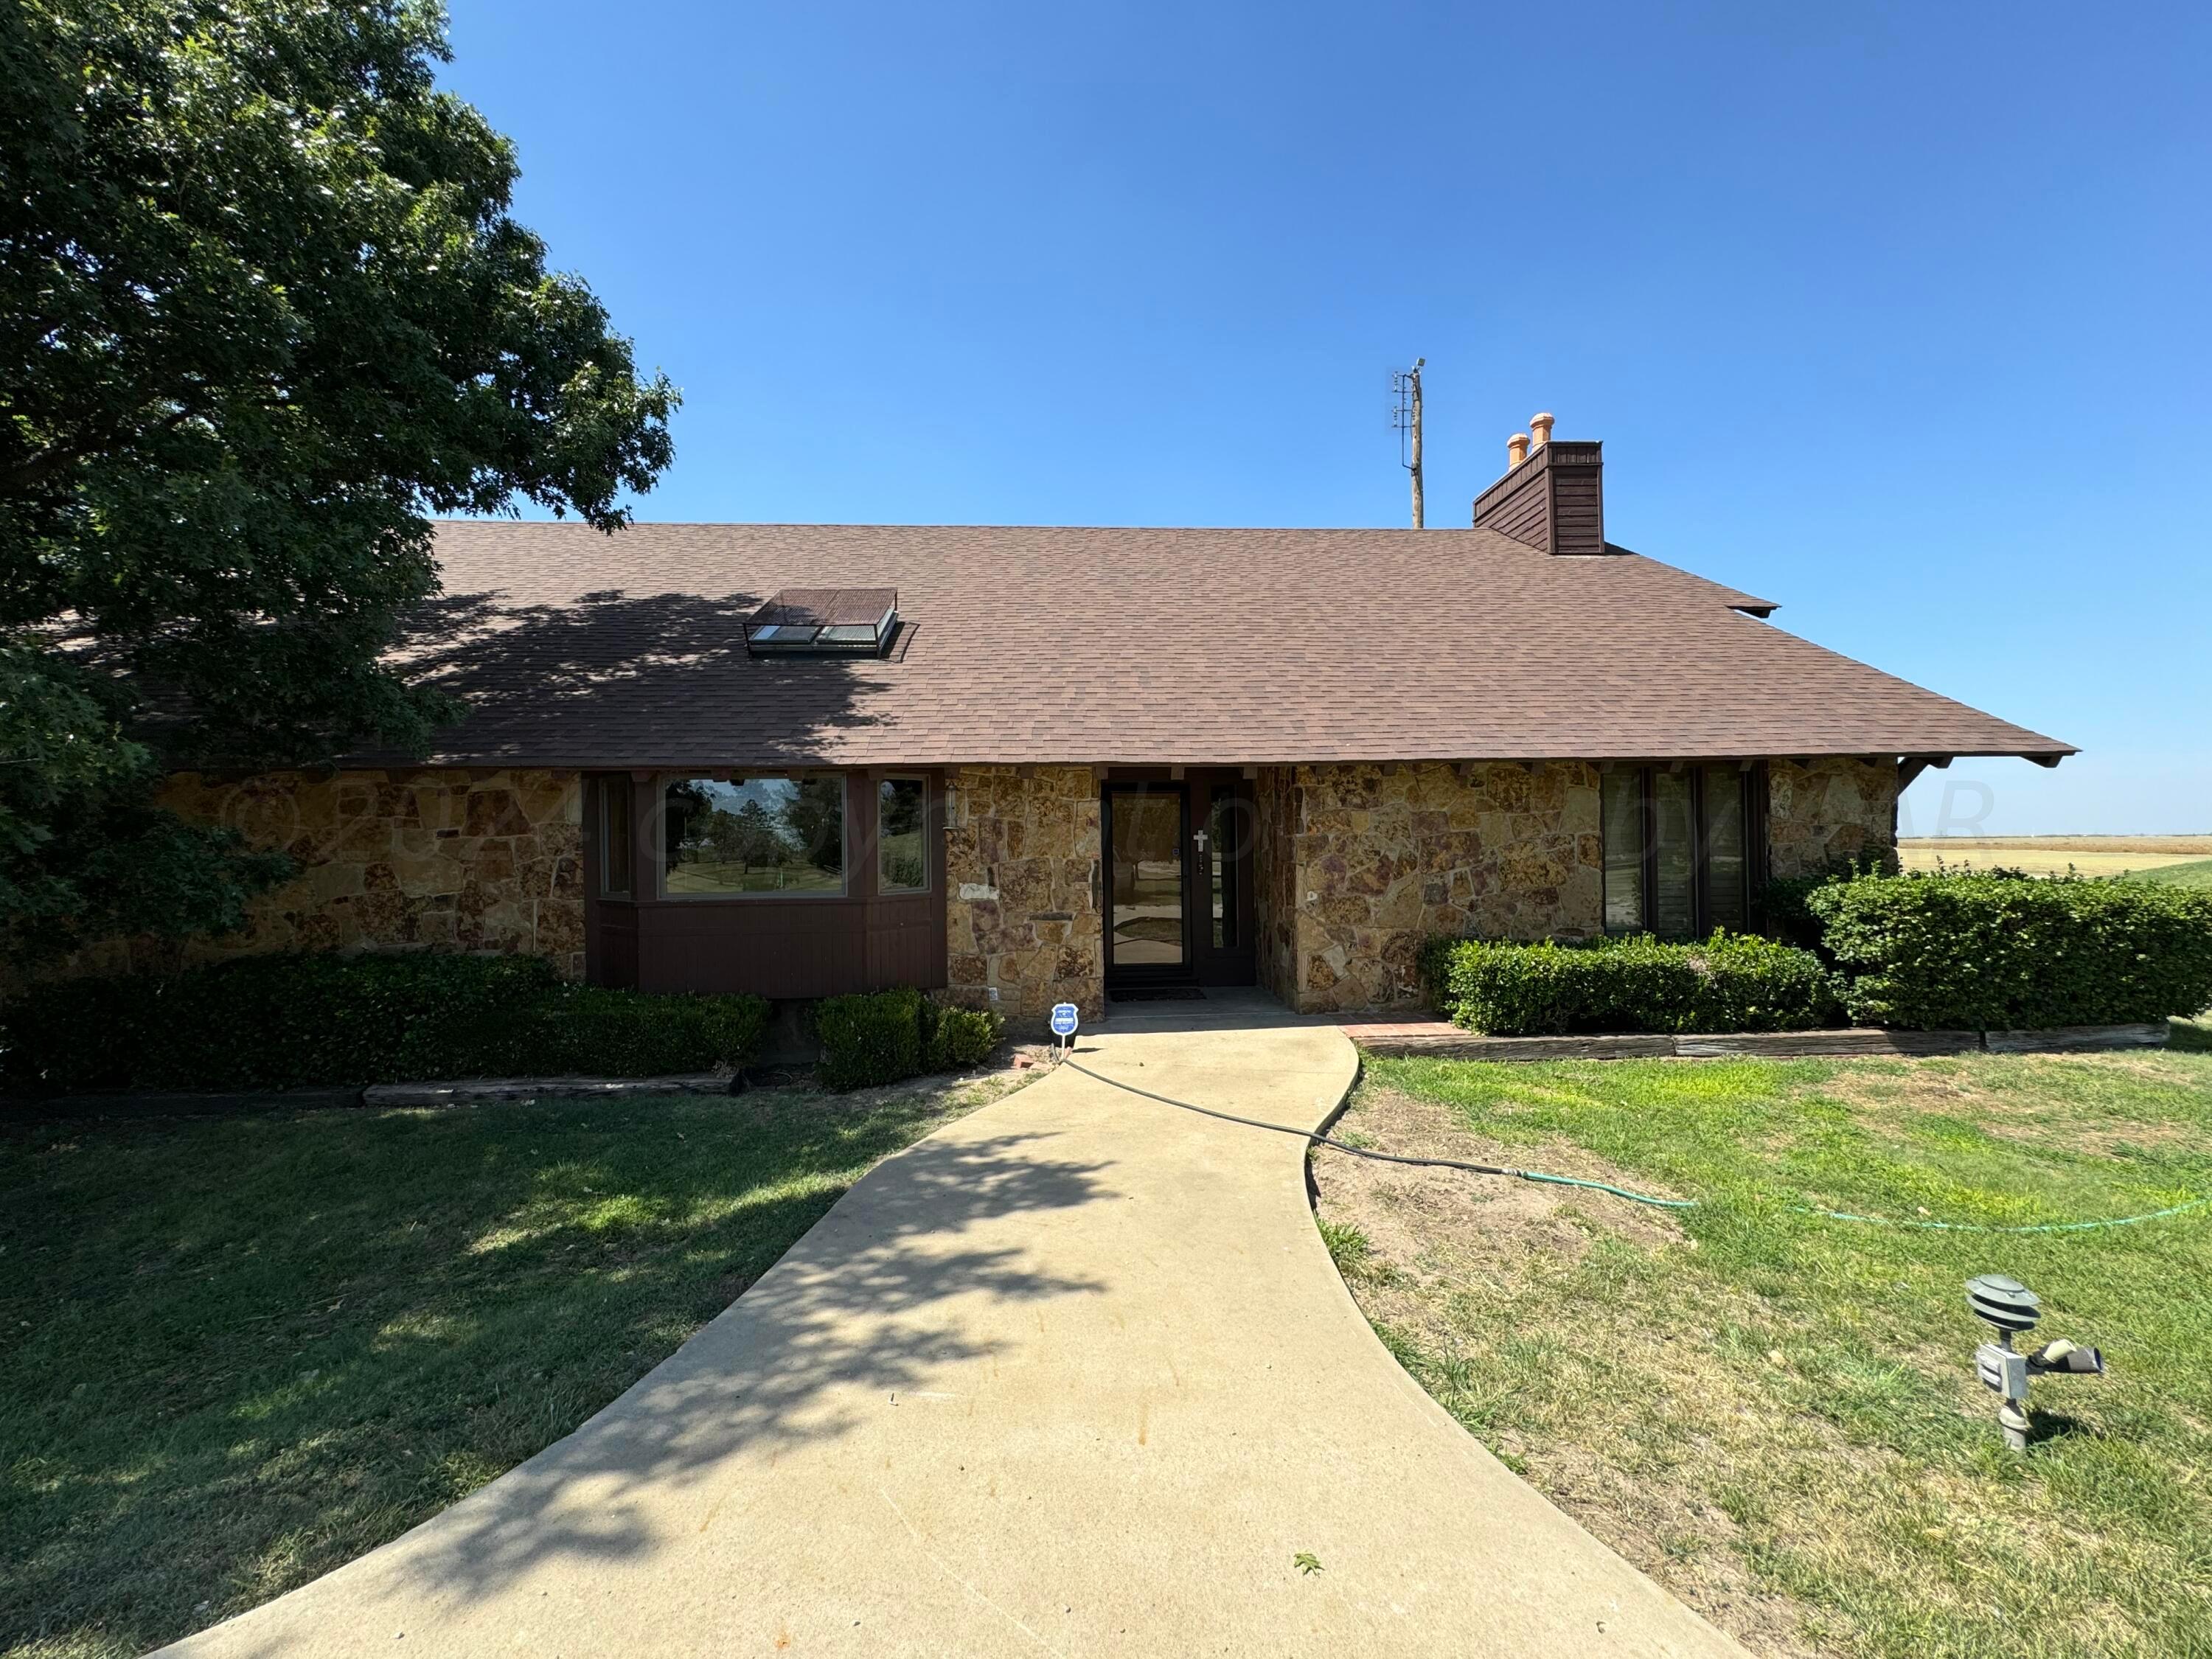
[(823, 622)]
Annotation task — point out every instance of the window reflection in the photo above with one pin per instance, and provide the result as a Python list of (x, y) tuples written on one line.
[(1147, 831), (901, 855), (1226, 832), (773, 835)]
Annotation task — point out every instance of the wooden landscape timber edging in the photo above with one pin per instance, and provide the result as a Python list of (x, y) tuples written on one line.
[(1858, 1040), (2078, 1036), (1446, 1042), (468, 1092), (475, 1091)]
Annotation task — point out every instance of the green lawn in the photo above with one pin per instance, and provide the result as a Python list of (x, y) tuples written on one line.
[(235, 1352), (2198, 873), (1775, 1413)]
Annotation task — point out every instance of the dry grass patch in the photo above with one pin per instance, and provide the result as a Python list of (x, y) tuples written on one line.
[(1775, 1414), (1439, 1261), (2043, 1092)]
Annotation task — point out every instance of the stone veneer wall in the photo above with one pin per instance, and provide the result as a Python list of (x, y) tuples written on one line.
[(1275, 881), (394, 860), (1021, 890), (1355, 865), (1834, 808), (1383, 857)]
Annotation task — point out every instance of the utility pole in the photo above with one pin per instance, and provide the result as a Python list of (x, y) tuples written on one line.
[(1406, 418)]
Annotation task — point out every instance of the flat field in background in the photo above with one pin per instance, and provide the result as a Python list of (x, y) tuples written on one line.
[(2091, 855)]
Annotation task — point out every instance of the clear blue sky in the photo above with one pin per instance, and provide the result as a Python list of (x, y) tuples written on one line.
[(1895, 313)]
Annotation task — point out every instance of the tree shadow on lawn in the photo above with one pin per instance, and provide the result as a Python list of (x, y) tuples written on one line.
[(862, 1306), (251, 1350)]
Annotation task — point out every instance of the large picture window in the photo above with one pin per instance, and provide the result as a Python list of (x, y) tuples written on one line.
[(776, 836), (1678, 860)]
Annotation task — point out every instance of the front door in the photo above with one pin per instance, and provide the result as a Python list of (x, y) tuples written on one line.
[(1179, 910), (1148, 906), (1221, 848)]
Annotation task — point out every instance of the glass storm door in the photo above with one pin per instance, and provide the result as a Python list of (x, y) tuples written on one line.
[(1148, 919), (1221, 846)]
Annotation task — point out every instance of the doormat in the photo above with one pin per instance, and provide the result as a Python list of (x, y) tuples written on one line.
[(1158, 994)]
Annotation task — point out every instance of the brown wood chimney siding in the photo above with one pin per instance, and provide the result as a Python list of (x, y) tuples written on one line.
[(1554, 501), (1520, 508), (1577, 510)]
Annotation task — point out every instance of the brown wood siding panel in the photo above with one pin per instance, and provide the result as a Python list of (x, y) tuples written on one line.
[(1578, 514), (614, 935), (771, 948), (1517, 505), (906, 943), (777, 950), (1521, 514)]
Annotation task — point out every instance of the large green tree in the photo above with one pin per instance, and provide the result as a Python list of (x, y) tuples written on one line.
[(263, 312)]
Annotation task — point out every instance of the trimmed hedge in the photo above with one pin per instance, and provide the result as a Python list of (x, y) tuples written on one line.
[(1730, 983), (884, 1037), (962, 1038), (286, 1022), (868, 1039), (2002, 952)]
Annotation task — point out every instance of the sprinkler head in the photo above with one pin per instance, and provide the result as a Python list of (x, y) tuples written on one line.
[(2006, 1303), (2066, 1357), (2011, 1308)]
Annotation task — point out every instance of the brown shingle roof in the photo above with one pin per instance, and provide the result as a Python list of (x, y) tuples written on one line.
[(1193, 646)]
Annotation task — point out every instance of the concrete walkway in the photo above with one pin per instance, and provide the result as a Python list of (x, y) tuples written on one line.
[(1074, 1376)]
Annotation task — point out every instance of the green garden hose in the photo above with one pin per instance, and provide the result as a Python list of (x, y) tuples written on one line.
[(1977, 1227), (1606, 1186)]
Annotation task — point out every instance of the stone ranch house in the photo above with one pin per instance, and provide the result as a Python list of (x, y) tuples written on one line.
[(1024, 766)]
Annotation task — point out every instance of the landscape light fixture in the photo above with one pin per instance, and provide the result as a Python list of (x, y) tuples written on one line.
[(2011, 1308)]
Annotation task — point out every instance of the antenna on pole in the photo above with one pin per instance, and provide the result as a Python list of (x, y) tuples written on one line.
[(1406, 420)]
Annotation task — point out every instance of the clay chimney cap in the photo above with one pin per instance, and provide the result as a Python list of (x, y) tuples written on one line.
[(1516, 448), (1542, 426)]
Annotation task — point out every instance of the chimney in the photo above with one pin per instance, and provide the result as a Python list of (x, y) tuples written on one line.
[(1551, 496)]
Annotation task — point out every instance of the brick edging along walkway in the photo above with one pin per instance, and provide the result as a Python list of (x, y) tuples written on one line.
[(1443, 1040)]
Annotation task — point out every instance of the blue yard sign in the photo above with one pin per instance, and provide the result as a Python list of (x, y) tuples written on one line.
[(1063, 1019)]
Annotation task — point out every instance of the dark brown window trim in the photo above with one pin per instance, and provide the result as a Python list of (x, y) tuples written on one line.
[(609, 793), (874, 781), (1753, 783)]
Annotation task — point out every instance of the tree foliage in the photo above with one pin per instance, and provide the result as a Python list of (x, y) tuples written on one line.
[(263, 312)]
